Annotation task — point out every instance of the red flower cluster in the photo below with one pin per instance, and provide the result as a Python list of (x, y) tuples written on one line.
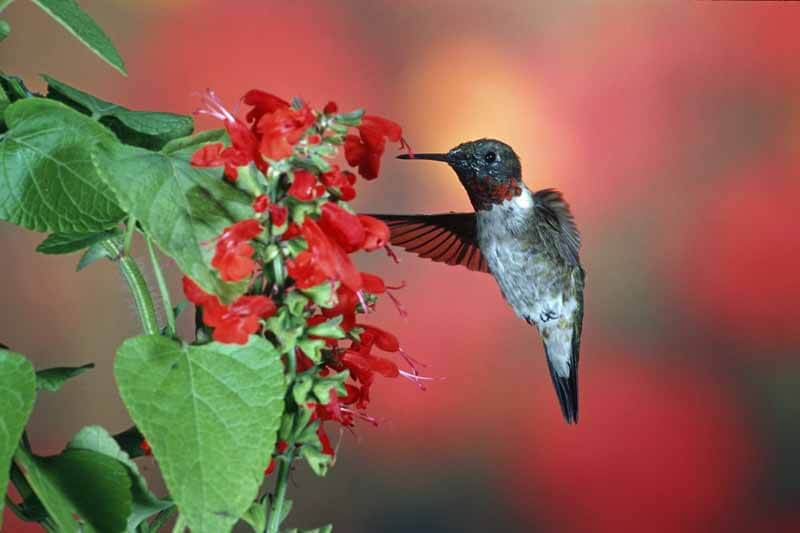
[(232, 323), (275, 127), (314, 201)]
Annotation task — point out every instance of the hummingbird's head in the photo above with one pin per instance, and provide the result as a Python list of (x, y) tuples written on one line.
[(488, 169)]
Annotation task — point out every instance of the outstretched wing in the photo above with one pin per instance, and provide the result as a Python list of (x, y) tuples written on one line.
[(559, 232), (446, 238)]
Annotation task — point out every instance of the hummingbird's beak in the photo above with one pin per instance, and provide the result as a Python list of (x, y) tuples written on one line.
[(431, 157)]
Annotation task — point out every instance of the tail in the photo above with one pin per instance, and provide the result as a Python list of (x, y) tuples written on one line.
[(565, 377)]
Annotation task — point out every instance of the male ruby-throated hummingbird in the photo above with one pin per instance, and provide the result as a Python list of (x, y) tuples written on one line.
[(527, 240)]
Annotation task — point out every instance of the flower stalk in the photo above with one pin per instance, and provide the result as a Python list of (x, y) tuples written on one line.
[(281, 485)]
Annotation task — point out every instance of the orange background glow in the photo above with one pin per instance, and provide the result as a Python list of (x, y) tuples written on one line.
[(674, 131)]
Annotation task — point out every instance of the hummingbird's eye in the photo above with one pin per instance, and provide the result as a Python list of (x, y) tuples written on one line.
[(490, 157)]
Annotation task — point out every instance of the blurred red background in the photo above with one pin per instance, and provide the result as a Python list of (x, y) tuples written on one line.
[(673, 130)]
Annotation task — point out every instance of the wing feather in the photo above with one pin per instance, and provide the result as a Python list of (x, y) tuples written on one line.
[(445, 238)]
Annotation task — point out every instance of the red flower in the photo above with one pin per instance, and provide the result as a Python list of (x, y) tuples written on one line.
[(341, 180), (346, 303), (263, 103), (330, 108), (244, 144), (325, 441), (261, 203), (282, 129), (233, 257), (232, 324), (377, 232), (278, 213), (365, 150), (329, 258), (304, 271), (372, 283), (195, 294), (305, 187), (380, 338), (279, 449), (341, 225)]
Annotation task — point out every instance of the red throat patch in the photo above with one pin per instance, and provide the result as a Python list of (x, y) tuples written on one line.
[(484, 193)]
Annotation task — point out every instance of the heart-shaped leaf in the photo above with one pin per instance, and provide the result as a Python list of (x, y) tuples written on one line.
[(210, 414)]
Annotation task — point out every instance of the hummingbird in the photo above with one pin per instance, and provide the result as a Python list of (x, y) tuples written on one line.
[(527, 240)]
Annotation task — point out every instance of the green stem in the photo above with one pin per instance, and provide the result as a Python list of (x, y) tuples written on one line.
[(162, 286), (281, 484), (138, 287)]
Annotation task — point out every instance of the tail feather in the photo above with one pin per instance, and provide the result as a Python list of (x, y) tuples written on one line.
[(566, 390)]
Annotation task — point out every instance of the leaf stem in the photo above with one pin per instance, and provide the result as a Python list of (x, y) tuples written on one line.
[(161, 519), (169, 312), (130, 228), (180, 524), (138, 287)]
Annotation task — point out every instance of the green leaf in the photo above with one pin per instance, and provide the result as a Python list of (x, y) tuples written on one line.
[(82, 491), (5, 29), (52, 379), (295, 303), (353, 118), (47, 179), (14, 87), (145, 503), (312, 348), (301, 388), (81, 25), (256, 517), (182, 207), (147, 129), (329, 329), (95, 252), (66, 243), (210, 414), (322, 386), (17, 392), (318, 461), (321, 294), (195, 141)]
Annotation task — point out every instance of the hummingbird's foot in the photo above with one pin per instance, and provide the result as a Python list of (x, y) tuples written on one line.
[(547, 316)]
